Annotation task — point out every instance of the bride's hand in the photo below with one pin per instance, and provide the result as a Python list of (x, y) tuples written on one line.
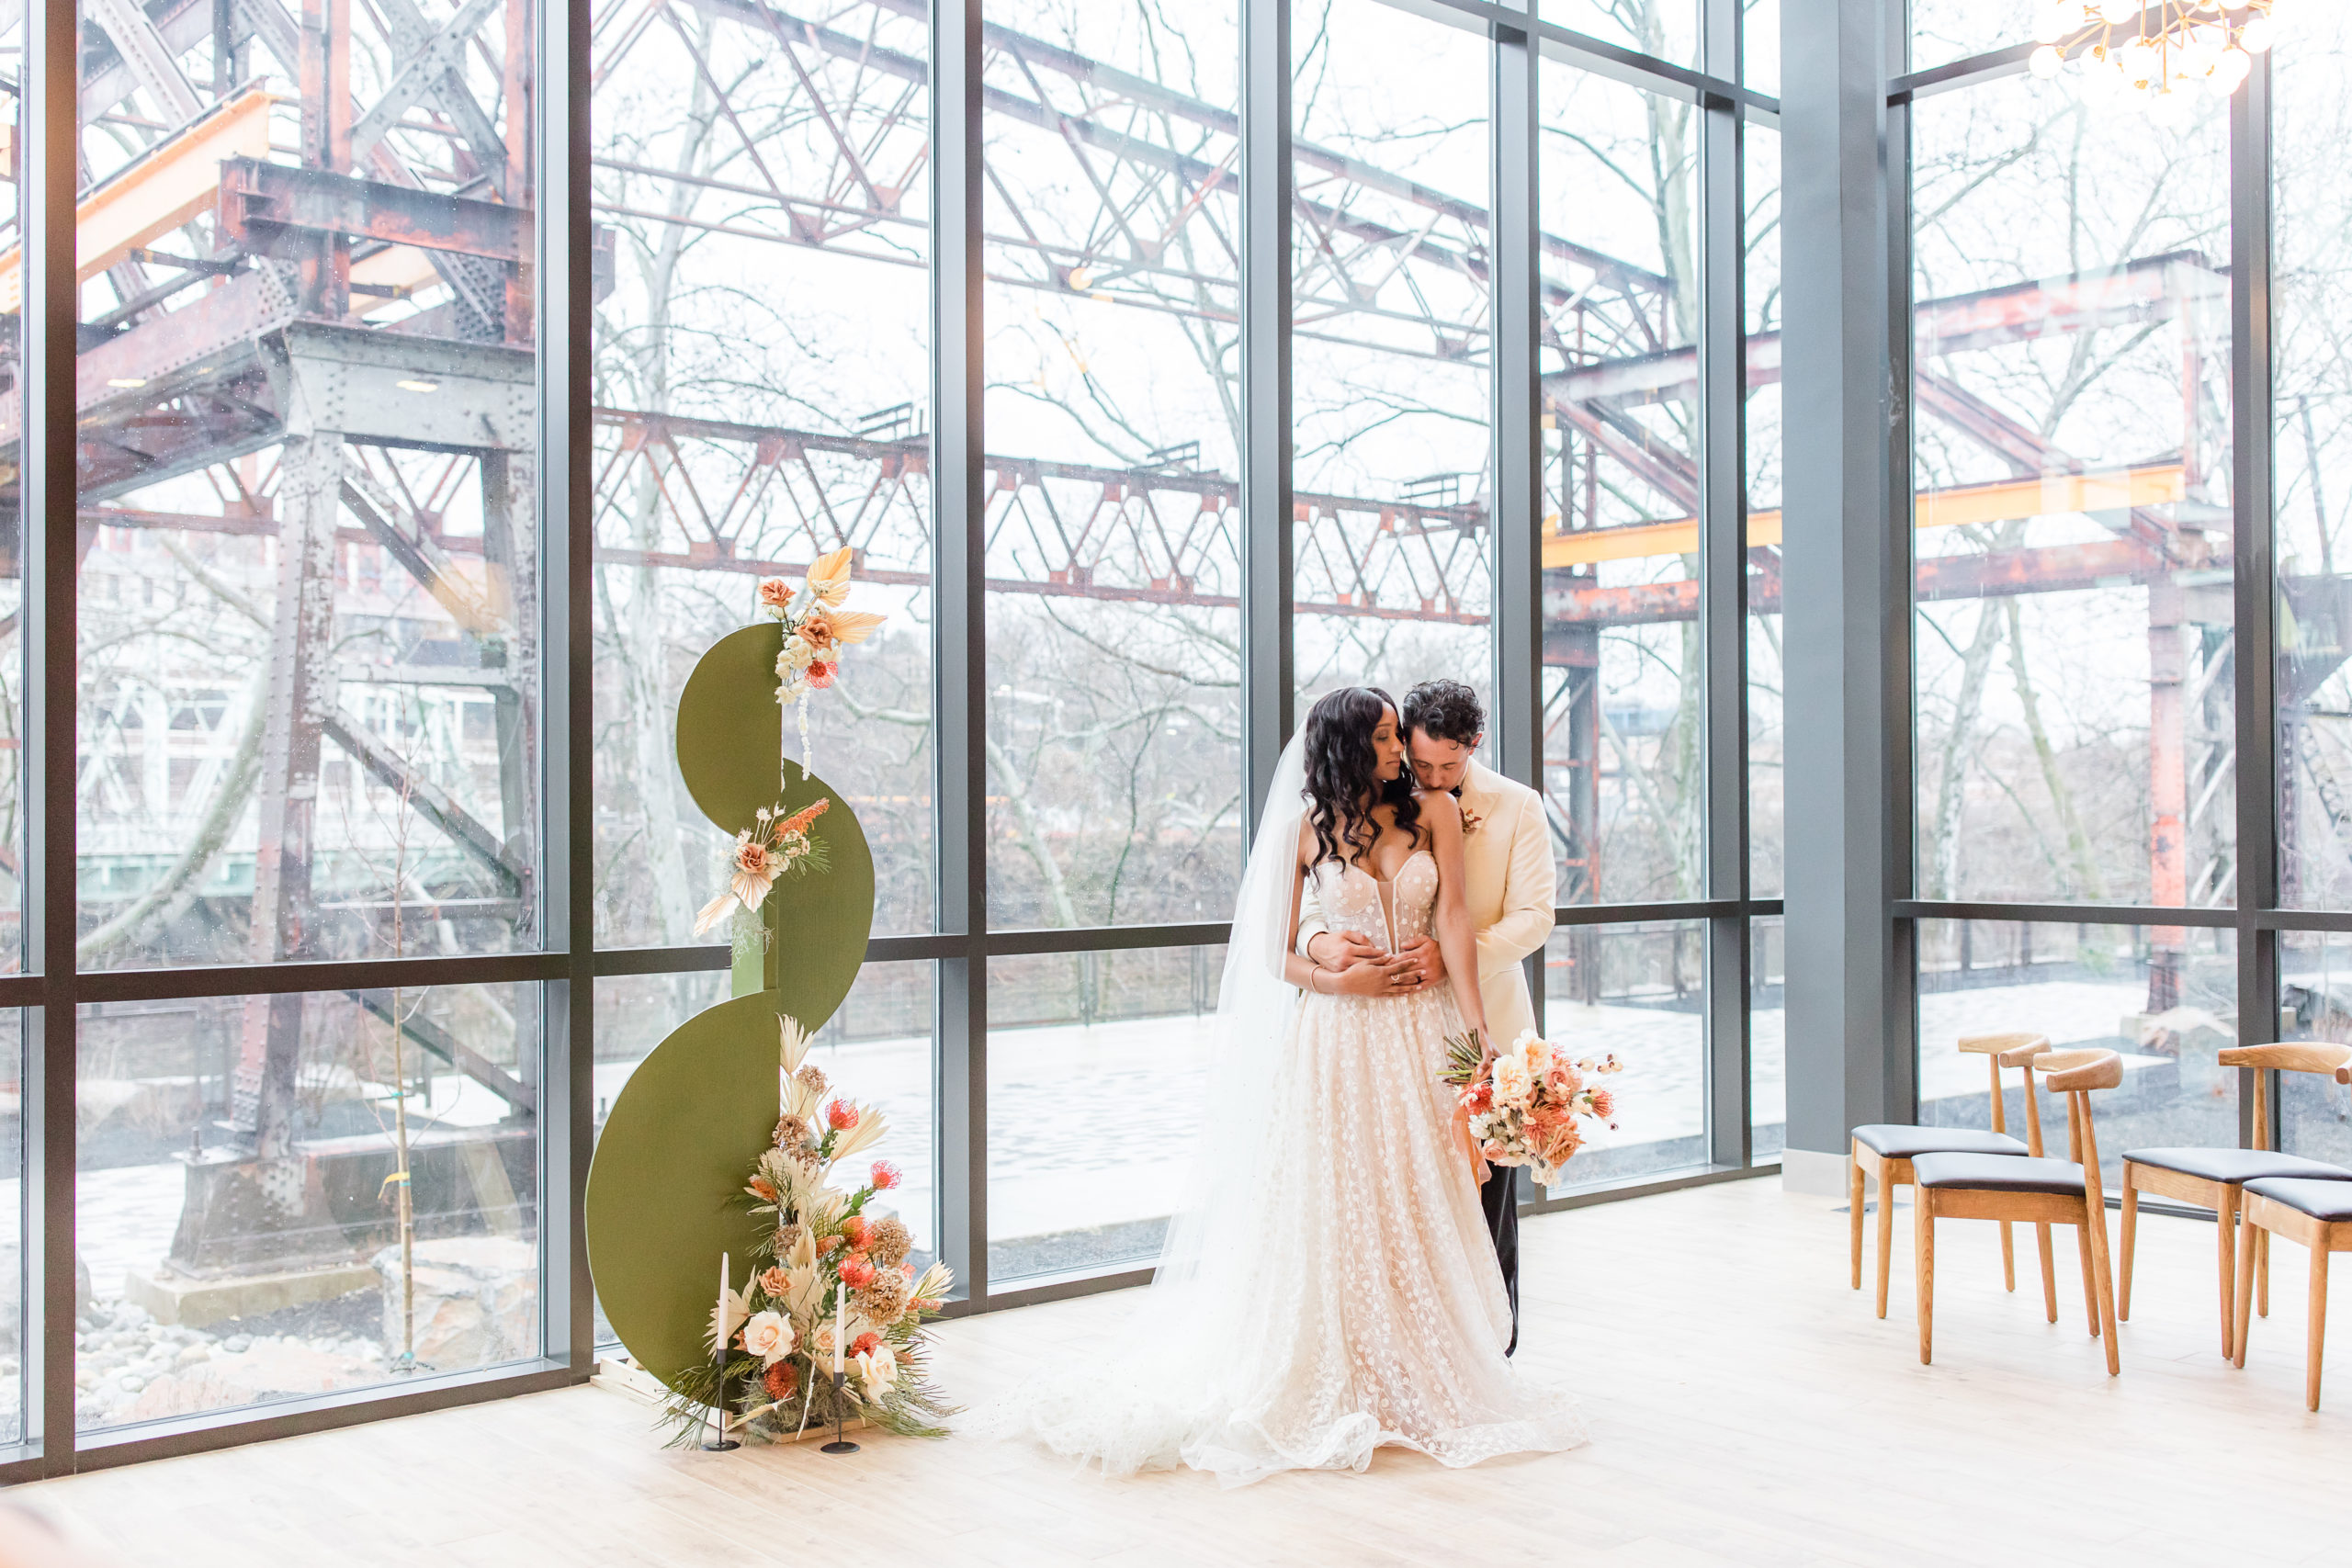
[(1382, 976)]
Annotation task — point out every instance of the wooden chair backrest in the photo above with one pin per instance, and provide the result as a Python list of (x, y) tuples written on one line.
[(2014, 1049), (2284, 1057), (2071, 1072), (2288, 1056), (2076, 1073), (2026, 1054), (2000, 1044)]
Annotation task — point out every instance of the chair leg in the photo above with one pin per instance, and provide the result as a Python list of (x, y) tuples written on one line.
[(1923, 1209), (2262, 1273), (2225, 1257), (2049, 1271), (2095, 1224), (1854, 1207), (2009, 1259), (2317, 1341), (2131, 1239), (1886, 1227), (2242, 1317), (2090, 1286)]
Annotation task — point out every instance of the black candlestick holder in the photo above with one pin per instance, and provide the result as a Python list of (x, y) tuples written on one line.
[(839, 1445), (721, 1443)]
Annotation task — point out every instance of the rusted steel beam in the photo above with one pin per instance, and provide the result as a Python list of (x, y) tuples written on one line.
[(384, 764), (450, 1049), (297, 699), (273, 208)]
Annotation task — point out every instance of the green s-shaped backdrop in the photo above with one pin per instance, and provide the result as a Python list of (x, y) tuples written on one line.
[(682, 1136)]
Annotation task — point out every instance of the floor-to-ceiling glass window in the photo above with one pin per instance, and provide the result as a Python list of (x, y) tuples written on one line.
[(1113, 614), (310, 700), (1392, 353), (762, 186), (2075, 734)]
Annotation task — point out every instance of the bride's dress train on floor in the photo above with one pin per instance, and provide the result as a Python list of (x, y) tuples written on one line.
[(1332, 1289)]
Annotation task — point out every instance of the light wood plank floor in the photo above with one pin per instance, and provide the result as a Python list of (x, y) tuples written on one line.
[(1746, 1409)]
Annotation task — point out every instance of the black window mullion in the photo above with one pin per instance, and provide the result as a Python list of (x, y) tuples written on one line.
[(567, 700), (46, 527), (2254, 549), (959, 661)]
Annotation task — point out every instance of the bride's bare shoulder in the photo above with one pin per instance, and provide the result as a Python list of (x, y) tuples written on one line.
[(1439, 808)]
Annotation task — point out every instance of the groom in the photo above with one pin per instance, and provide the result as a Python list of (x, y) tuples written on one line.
[(1507, 882)]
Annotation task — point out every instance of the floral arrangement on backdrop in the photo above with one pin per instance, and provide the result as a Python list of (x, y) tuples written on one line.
[(836, 1292), (775, 846), (1524, 1107), (815, 629)]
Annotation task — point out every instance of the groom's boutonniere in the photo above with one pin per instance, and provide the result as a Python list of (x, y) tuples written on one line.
[(1470, 819)]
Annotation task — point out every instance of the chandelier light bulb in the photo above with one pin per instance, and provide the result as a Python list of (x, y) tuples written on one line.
[(2163, 58)]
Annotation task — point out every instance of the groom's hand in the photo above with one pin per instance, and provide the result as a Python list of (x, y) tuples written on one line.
[(1425, 960), (1342, 949)]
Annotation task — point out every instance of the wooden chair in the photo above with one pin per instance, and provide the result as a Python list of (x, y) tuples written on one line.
[(2316, 1211), (2215, 1178), (2036, 1191), (2319, 1214), (1882, 1151)]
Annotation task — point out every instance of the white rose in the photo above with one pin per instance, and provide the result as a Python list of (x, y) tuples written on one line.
[(1514, 1085), (878, 1370), (767, 1335)]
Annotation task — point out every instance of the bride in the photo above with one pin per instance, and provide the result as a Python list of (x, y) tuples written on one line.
[(1328, 1287)]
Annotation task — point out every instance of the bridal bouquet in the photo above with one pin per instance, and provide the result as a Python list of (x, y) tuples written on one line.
[(837, 1293), (1524, 1107)]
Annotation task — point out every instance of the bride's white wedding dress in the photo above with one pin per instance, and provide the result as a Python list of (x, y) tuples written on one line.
[(1350, 1300)]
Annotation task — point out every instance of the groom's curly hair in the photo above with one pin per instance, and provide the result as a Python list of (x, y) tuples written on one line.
[(1343, 782), (1445, 710)]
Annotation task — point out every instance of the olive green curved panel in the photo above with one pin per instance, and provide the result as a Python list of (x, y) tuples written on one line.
[(676, 1148), (683, 1133), (818, 924), (730, 729)]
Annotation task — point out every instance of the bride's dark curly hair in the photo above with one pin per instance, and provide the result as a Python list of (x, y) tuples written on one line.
[(1343, 782)]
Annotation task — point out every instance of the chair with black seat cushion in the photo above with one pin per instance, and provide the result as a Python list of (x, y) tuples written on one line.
[(1882, 1151), (2214, 1179), (2317, 1212), (2032, 1190)]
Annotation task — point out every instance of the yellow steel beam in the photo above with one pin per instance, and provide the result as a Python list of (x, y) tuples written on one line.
[(2156, 485), (177, 179)]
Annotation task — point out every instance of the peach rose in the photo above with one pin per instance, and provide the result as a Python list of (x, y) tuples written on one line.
[(775, 594), (767, 1335)]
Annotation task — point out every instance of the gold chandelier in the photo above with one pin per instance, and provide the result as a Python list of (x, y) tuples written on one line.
[(2163, 58)]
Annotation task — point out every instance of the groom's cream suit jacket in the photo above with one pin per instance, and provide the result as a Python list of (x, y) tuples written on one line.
[(1508, 881)]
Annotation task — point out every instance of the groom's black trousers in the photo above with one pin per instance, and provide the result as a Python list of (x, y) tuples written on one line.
[(1499, 1197)]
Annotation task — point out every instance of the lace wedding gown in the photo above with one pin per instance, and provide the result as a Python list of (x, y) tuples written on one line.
[(1363, 1307)]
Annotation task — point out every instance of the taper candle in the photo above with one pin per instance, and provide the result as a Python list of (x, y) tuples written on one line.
[(841, 1324), (719, 1323)]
